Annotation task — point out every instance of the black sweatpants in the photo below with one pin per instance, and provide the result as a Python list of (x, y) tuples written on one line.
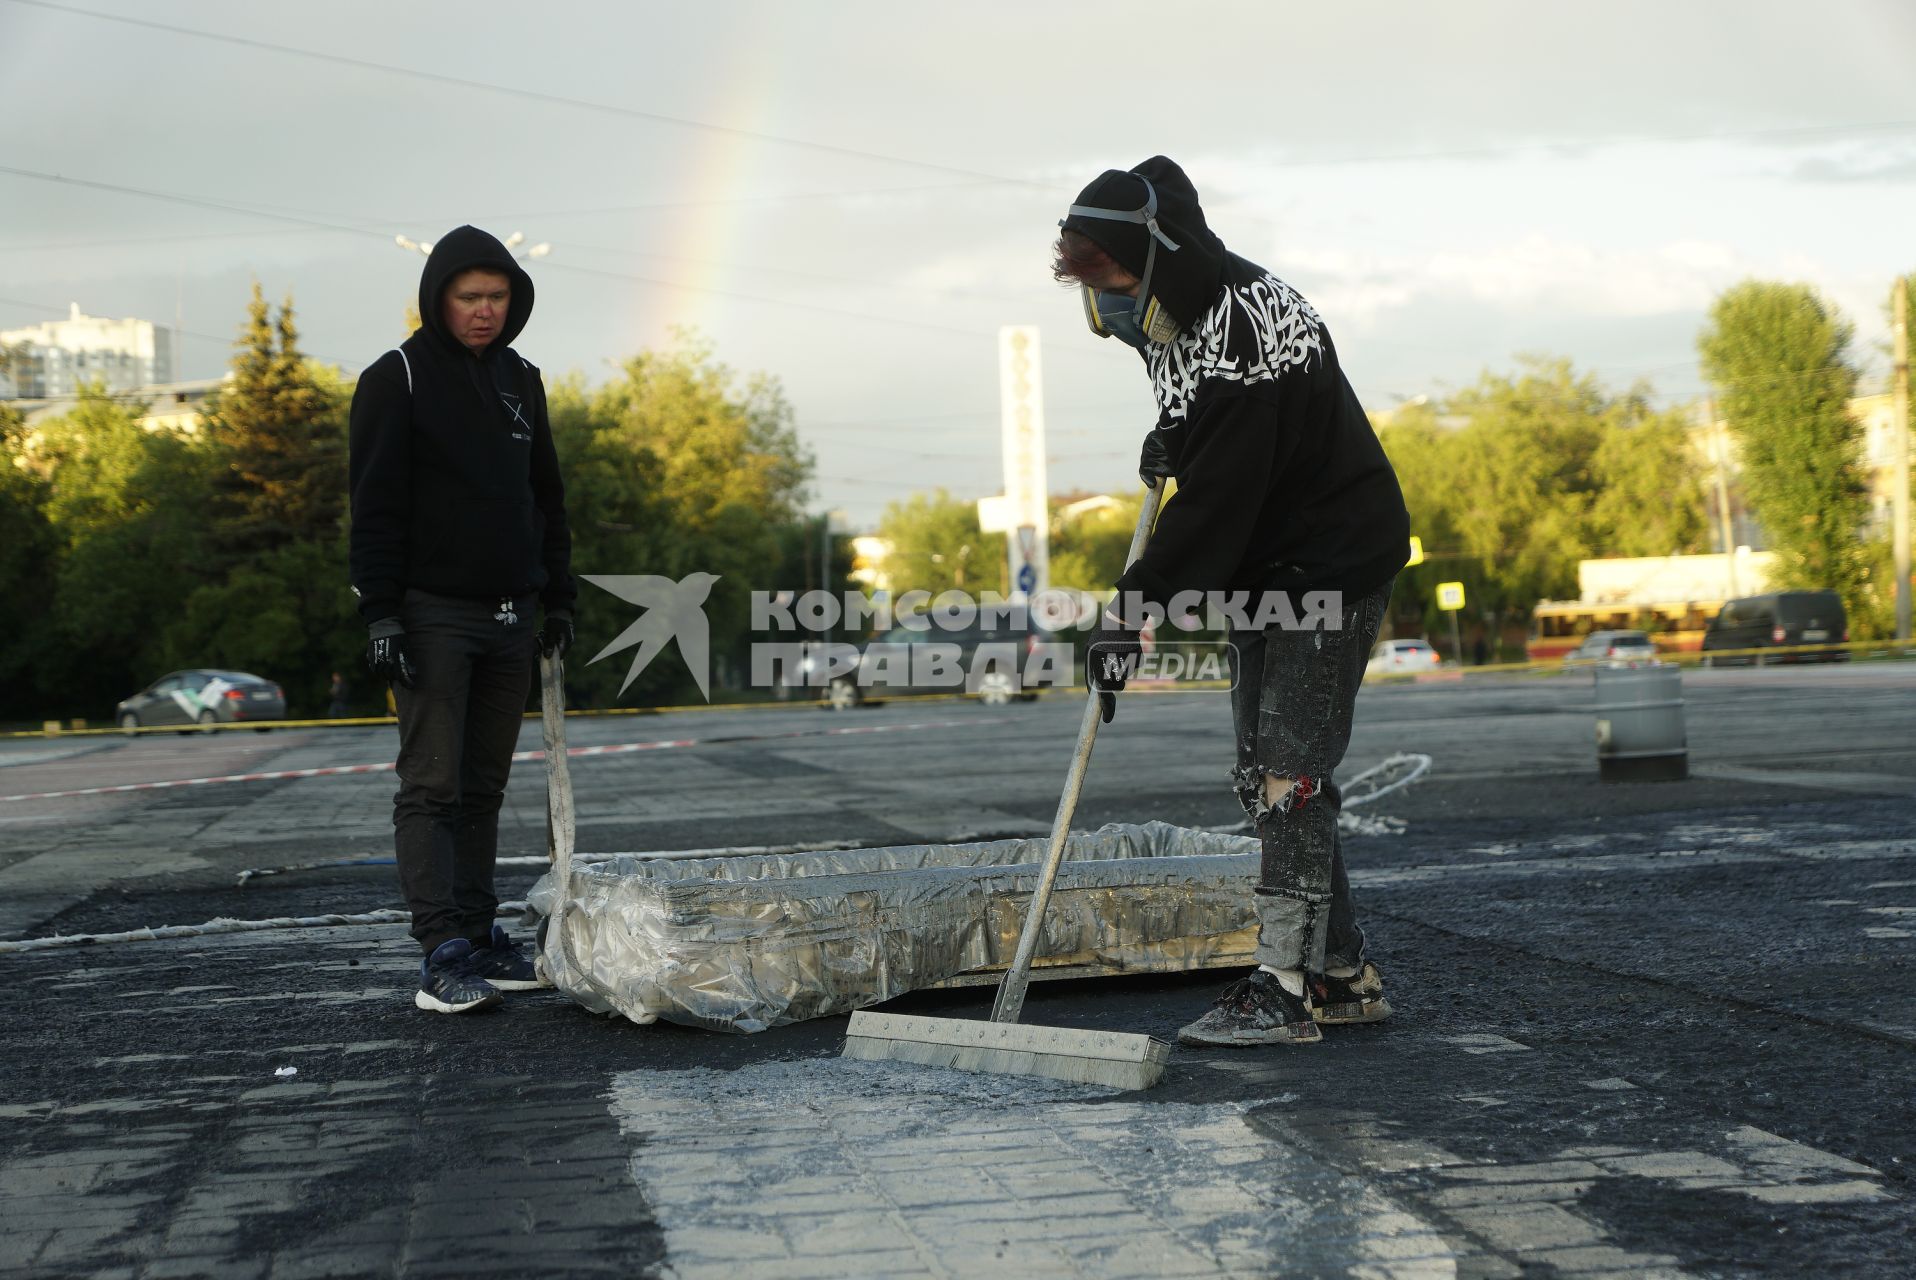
[(458, 727)]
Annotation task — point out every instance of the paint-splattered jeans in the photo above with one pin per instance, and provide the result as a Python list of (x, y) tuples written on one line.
[(1293, 695), (457, 729)]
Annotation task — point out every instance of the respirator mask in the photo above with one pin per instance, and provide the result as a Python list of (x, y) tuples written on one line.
[(1142, 320)]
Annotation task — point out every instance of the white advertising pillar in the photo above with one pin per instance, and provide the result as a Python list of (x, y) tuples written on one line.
[(1027, 514)]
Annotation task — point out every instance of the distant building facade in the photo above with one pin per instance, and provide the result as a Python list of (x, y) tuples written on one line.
[(1716, 445), (50, 361), (1881, 440)]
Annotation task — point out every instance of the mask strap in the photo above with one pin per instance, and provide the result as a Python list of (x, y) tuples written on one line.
[(1148, 215)]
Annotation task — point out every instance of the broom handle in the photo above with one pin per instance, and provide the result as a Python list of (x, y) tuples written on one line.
[(1011, 988), (560, 827)]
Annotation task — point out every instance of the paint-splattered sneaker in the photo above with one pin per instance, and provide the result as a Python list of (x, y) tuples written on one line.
[(447, 983), (1253, 1011), (505, 966), (1358, 998)]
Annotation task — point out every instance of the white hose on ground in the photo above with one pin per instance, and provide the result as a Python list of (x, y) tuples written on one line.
[(221, 925), (1413, 764)]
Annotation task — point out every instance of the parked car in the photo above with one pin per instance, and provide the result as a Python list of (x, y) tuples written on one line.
[(1779, 620), (1401, 657), (203, 697), (1612, 649), (1002, 655)]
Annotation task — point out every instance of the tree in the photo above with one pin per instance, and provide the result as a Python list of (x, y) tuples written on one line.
[(280, 424), (936, 546), (1087, 553), (1512, 481), (677, 465), (1650, 499), (126, 507), (28, 552), (269, 593), (1778, 355), (285, 614)]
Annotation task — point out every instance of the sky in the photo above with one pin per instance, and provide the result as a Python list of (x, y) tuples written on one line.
[(855, 197)]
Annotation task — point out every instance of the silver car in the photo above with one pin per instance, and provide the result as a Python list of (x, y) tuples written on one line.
[(1613, 649), (203, 697)]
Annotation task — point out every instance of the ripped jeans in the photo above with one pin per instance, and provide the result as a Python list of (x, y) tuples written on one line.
[(1293, 695)]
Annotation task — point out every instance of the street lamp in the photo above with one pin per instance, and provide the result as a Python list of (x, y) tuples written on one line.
[(513, 241)]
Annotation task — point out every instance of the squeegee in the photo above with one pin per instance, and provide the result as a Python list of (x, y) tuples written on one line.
[(1003, 1045)]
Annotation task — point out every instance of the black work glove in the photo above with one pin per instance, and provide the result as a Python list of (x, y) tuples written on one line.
[(1154, 460), (555, 636), (1109, 662), (386, 657)]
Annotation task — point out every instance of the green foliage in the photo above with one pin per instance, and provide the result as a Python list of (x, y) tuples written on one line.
[(130, 552), (284, 614), (126, 510), (270, 595), (1087, 552), (1512, 481), (936, 546), (1778, 354), (27, 550), (280, 427), (675, 466), (1651, 499)]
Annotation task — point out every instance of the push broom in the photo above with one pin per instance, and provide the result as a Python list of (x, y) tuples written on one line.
[(1003, 1045), (561, 825)]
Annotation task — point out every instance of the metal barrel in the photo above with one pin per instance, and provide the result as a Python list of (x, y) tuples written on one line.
[(1640, 735)]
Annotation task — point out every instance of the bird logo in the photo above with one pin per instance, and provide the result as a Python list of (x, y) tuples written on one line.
[(673, 610)]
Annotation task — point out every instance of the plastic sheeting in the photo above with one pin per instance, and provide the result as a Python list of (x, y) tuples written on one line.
[(746, 942)]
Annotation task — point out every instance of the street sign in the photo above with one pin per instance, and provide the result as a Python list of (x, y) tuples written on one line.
[(995, 514), (1450, 595), (1416, 551)]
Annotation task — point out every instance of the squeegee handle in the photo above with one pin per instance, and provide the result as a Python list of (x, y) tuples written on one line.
[(1011, 988), (560, 824)]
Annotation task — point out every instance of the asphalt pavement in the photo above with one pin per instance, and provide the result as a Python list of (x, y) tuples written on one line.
[(1641, 1029)]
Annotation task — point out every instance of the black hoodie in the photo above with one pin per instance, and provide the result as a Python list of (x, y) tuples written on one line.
[(455, 482), (1281, 481)]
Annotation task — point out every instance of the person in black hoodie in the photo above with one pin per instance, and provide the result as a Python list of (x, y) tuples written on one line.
[(1282, 487), (458, 530)]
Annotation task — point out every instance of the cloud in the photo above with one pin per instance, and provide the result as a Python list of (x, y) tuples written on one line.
[(1533, 272), (1894, 162)]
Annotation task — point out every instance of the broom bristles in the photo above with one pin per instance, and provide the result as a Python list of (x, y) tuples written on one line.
[(1113, 1058)]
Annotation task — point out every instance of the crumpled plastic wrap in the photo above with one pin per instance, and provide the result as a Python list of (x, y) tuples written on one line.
[(742, 943)]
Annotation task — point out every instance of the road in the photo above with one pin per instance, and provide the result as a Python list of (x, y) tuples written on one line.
[(1642, 1029)]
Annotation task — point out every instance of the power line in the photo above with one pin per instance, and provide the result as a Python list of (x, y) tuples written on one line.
[(828, 148), (202, 203), (173, 197), (721, 202), (535, 95)]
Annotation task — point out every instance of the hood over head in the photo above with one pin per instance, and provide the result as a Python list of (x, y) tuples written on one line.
[(1186, 282), (459, 250)]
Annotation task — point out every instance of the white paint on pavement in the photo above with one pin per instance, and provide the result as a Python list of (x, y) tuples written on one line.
[(1485, 1042), (835, 1168)]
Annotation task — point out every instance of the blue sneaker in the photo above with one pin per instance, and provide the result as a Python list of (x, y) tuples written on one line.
[(504, 966), (447, 983)]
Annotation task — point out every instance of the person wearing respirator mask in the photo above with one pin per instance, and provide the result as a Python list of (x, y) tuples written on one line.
[(1282, 487)]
